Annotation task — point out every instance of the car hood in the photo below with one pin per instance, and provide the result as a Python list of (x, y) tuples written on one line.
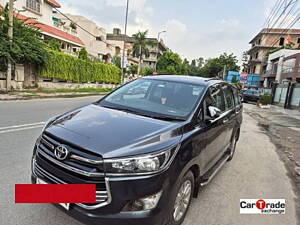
[(113, 133)]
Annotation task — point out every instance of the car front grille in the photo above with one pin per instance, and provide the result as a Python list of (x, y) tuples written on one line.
[(80, 167)]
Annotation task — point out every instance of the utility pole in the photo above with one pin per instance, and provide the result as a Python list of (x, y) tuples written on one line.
[(224, 72), (10, 36), (124, 46), (157, 48)]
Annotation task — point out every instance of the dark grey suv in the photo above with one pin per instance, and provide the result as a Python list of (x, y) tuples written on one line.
[(148, 147)]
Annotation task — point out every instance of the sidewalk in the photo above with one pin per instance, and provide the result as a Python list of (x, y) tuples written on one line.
[(37, 95), (283, 127)]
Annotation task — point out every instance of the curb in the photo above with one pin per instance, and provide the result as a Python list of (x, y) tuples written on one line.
[(53, 96)]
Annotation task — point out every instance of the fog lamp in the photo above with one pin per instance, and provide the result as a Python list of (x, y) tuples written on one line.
[(143, 204)]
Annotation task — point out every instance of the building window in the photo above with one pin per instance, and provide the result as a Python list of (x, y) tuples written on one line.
[(259, 41), (118, 50), (256, 55), (298, 41), (34, 5), (281, 41)]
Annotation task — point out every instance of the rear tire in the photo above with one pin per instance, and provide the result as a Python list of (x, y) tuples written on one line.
[(182, 199)]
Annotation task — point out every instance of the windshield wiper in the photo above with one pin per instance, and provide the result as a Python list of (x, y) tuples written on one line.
[(123, 110), (167, 118)]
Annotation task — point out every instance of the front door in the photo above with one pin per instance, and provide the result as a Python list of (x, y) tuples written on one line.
[(215, 130)]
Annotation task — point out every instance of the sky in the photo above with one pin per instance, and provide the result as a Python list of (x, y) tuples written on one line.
[(195, 28)]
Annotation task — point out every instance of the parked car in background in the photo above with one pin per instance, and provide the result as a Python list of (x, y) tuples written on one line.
[(250, 95), (147, 146)]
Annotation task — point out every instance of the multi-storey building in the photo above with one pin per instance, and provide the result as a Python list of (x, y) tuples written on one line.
[(282, 65), (93, 36), (267, 40), (41, 14), (116, 39)]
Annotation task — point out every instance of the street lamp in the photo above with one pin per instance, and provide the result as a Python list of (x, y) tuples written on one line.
[(124, 46), (157, 47)]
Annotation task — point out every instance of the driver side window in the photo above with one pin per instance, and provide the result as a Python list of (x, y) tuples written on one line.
[(216, 98)]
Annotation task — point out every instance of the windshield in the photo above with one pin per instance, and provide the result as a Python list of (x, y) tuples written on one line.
[(155, 98)]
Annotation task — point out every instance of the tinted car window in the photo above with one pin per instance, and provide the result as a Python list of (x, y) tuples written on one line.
[(137, 92), (216, 98), (237, 98), (228, 97), (147, 96)]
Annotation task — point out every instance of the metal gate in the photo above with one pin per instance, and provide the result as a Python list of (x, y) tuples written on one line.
[(281, 94)]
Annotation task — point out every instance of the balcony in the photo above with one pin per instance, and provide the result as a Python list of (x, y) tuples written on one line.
[(291, 73), (270, 73), (255, 60)]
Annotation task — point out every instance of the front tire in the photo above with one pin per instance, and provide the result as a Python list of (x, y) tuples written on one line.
[(182, 200)]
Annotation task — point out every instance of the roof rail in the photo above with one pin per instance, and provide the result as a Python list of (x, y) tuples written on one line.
[(212, 78)]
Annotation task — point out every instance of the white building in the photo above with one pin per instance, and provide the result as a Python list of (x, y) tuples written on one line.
[(42, 13), (279, 62), (93, 36)]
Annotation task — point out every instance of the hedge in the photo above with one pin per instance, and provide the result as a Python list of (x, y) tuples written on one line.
[(66, 67)]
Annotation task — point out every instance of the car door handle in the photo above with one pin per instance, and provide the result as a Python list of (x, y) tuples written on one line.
[(225, 120)]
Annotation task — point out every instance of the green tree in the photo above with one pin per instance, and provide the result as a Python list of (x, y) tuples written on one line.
[(200, 62), (185, 68), (116, 60), (147, 71), (133, 69), (54, 45), (169, 63), (140, 47), (83, 54), (214, 66), (27, 45)]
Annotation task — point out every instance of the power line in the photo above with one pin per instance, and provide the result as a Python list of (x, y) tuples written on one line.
[(283, 11), (280, 6), (287, 29), (289, 14), (267, 22)]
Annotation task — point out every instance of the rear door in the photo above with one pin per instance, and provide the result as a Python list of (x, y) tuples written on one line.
[(229, 114)]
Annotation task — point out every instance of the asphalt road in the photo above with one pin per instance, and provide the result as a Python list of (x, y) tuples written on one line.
[(255, 172)]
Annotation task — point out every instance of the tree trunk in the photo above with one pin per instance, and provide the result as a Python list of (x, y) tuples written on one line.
[(140, 61)]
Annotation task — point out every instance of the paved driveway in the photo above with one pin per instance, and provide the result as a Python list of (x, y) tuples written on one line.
[(255, 172)]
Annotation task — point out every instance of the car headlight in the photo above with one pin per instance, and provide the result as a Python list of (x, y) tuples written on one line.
[(140, 165)]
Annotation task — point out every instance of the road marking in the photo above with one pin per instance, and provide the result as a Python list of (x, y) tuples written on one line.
[(20, 127)]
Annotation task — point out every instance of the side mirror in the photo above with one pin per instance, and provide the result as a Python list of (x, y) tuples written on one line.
[(214, 112)]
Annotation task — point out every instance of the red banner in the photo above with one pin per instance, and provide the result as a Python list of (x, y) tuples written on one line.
[(55, 193)]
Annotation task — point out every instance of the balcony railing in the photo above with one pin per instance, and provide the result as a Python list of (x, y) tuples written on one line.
[(288, 70)]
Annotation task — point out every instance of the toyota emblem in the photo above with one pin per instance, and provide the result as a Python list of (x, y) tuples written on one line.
[(61, 152)]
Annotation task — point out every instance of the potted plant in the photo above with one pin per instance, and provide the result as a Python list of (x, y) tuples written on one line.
[(73, 26), (265, 101)]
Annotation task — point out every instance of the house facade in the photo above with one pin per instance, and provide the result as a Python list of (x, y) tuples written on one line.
[(40, 12), (267, 40), (116, 39), (93, 36), (283, 65)]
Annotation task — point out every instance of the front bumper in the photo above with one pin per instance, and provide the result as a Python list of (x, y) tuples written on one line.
[(122, 191)]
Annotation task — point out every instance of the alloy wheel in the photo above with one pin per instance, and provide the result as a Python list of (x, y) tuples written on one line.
[(182, 200)]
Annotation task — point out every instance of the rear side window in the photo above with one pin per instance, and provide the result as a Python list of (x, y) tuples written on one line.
[(237, 99), (216, 98), (229, 99)]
